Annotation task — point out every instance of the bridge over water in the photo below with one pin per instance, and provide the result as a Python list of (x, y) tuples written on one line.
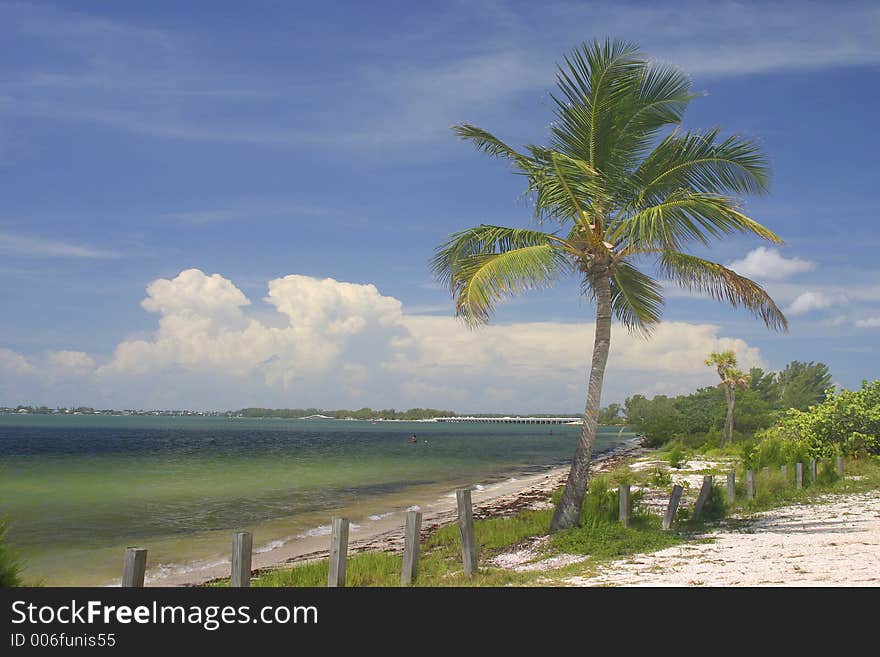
[(512, 420)]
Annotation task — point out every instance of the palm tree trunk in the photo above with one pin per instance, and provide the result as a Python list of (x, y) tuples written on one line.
[(568, 511), (728, 424)]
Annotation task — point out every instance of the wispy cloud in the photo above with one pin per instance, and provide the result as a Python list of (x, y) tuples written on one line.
[(20, 245), (159, 83)]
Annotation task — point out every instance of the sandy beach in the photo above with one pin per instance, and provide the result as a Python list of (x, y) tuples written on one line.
[(832, 543)]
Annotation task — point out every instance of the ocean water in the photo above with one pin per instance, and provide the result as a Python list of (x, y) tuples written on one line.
[(77, 490)]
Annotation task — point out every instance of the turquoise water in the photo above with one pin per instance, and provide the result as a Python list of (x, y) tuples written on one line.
[(78, 489)]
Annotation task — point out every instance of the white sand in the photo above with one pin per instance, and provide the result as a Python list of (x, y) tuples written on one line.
[(831, 544)]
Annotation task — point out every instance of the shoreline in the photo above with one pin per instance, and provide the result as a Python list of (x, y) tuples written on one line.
[(384, 532)]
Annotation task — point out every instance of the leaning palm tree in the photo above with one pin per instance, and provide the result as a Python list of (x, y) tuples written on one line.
[(724, 363), (618, 192)]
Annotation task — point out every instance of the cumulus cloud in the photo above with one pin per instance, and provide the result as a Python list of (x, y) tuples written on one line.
[(870, 322), (194, 293), (810, 301), (337, 344), (769, 264), (13, 364)]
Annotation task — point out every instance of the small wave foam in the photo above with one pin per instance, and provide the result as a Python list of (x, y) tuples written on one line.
[(272, 545), (379, 516), (164, 570), (414, 507), (322, 530)]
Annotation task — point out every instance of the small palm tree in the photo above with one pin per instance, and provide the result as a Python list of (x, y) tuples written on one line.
[(731, 379), (619, 192)]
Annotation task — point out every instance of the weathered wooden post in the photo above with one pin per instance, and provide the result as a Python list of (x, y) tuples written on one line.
[(799, 475), (242, 550), (624, 504), (731, 486), (814, 471), (672, 508), (466, 528), (765, 471), (338, 552), (750, 484), (784, 470), (703, 497), (411, 534), (134, 566), (840, 466)]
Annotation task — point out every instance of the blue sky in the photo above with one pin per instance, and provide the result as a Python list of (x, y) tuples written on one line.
[(296, 142)]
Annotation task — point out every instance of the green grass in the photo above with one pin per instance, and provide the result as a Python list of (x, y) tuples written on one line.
[(775, 489)]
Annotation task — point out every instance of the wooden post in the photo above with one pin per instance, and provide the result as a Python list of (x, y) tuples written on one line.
[(814, 471), (624, 504), (840, 466), (672, 508), (750, 484), (411, 534), (784, 470), (134, 566), (765, 471), (338, 552), (466, 528), (731, 486), (799, 475), (705, 490), (242, 550)]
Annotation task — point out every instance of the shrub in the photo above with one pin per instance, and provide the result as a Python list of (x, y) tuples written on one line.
[(847, 423), (676, 455)]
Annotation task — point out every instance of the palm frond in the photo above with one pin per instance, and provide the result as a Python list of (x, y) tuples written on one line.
[(486, 264), (637, 299), (592, 81), (685, 216), (699, 162), (486, 142), (721, 284)]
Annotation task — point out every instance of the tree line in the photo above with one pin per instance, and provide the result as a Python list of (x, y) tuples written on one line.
[(763, 400)]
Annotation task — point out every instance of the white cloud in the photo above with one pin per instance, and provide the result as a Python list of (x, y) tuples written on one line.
[(20, 245), (810, 301), (345, 344), (71, 361), (13, 364), (870, 322), (192, 292), (763, 263)]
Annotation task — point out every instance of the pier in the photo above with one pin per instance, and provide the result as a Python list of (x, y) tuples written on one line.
[(512, 420)]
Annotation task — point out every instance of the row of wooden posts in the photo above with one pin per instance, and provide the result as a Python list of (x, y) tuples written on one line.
[(135, 562)]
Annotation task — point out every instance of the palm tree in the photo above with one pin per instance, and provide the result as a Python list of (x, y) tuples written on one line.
[(731, 379), (618, 192)]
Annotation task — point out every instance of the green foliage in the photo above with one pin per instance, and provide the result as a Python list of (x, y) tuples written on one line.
[(610, 415), (10, 568), (845, 423), (676, 455), (660, 477), (697, 419)]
